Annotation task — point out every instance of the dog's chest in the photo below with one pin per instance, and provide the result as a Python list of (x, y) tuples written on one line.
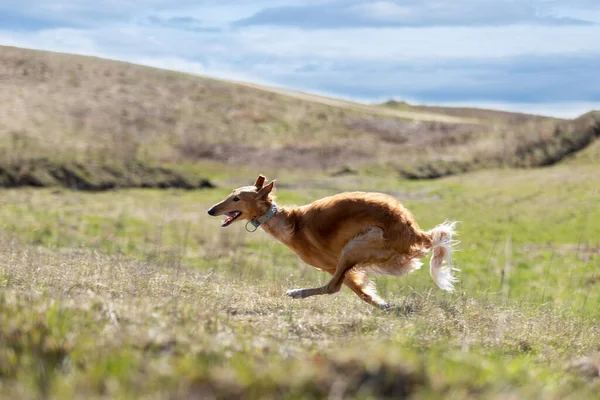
[(309, 247), (313, 252)]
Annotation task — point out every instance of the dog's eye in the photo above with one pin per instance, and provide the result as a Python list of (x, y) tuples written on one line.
[(236, 198)]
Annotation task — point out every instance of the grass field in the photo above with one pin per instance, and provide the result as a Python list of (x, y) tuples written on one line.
[(139, 293)]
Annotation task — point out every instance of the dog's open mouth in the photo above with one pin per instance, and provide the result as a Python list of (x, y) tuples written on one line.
[(231, 216)]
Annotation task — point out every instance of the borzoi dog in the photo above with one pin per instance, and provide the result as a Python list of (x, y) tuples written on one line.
[(346, 235)]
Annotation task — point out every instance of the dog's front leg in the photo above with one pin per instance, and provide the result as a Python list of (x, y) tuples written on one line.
[(333, 286)]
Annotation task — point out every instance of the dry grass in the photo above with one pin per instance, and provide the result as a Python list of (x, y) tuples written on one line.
[(139, 294), (79, 324), (506, 117), (88, 105)]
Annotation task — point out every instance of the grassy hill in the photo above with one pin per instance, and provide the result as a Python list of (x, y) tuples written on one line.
[(74, 112), (140, 294)]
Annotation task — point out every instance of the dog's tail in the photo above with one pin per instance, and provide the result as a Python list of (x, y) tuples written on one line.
[(441, 246)]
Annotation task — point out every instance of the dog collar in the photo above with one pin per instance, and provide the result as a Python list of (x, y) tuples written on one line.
[(269, 214)]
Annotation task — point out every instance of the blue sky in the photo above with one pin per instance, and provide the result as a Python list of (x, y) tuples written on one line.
[(540, 56)]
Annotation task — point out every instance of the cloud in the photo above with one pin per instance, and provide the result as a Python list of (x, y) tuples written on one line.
[(410, 13), (19, 22), (546, 64), (102, 13), (183, 23), (525, 79), (462, 62), (406, 44)]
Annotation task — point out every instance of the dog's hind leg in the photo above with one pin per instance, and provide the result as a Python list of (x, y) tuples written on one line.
[(364, 288), (366, 248)]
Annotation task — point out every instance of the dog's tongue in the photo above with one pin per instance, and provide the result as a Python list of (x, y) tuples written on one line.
[(227, 220), (230, 217)]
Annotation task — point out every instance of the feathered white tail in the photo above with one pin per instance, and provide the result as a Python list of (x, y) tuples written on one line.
[(440, 267)]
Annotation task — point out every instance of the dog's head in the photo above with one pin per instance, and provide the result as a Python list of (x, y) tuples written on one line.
[(245, 203)]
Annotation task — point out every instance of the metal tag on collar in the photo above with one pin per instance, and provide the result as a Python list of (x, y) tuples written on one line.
[(254, 223)]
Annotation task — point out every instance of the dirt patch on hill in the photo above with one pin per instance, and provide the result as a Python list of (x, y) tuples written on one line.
[(307, 157), (520, 146), (95, 176), (419, 150), (416, 133), (565, 139)]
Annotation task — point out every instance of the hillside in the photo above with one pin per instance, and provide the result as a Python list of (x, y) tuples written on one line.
[(141, 294), (100, 116)]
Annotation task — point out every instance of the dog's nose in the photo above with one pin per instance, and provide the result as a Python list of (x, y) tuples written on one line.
[(211, 211)]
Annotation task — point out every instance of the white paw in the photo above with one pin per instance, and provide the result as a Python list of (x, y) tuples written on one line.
[(295, 293)]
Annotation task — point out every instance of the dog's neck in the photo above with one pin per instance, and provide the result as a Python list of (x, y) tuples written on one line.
[(267, 215), (280, 225)]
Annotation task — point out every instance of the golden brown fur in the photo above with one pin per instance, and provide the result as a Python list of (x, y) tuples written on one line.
[(346, 235)]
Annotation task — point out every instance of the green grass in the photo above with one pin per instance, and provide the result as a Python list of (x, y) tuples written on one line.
[(139, 293)]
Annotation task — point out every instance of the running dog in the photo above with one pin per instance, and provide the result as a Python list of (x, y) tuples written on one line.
[(346, 235)]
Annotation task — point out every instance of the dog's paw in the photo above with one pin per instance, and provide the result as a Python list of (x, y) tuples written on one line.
[(295, 293)]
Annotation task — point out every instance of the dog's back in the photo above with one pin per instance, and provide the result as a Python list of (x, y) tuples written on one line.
[(333, 221)]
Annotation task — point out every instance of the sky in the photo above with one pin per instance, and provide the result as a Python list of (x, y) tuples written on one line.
[(538, 56)]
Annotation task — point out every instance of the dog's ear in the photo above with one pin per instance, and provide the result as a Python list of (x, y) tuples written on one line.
[(264, 192), (260, 181)]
